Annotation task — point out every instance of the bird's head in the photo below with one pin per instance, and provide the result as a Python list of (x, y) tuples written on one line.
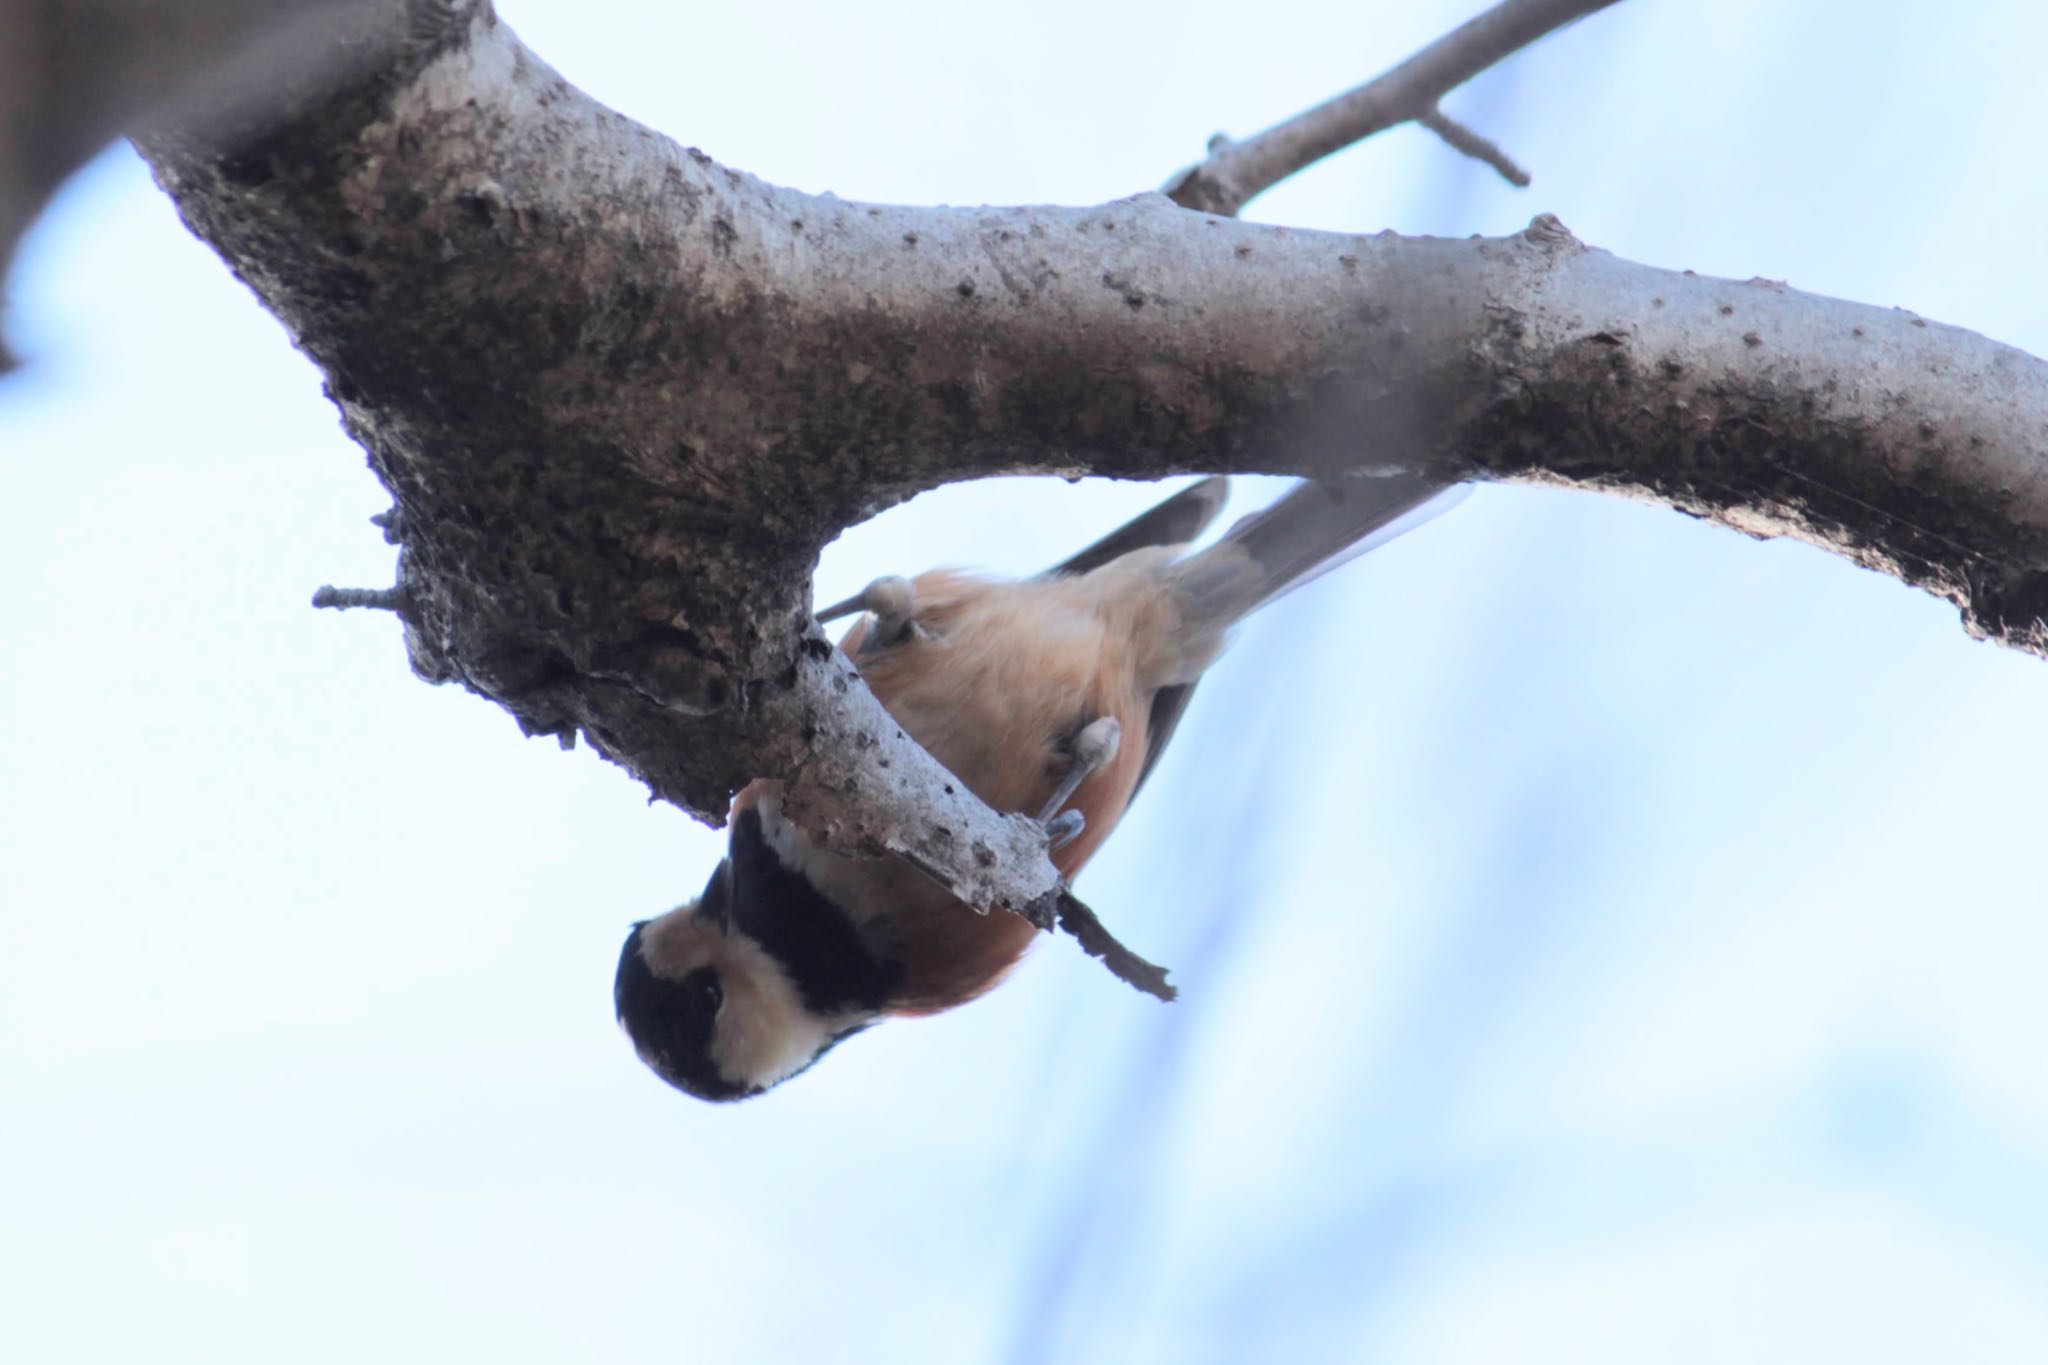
[(712, 1011)]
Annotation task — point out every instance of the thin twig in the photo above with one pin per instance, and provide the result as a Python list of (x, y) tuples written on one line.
[(1096, 941), (1237, 171), (1475, 145), (343, 599)]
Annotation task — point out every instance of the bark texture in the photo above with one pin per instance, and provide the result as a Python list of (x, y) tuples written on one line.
[(622, 395)]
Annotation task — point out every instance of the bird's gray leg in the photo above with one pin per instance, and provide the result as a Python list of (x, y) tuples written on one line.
[(1094, 744), (891, 600), (1063, 829)]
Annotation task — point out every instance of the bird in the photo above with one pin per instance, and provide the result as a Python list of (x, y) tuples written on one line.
[(1054, 695)]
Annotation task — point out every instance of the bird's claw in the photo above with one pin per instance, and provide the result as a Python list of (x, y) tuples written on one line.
[(893, 603), (1063, 829), (1094, 744)]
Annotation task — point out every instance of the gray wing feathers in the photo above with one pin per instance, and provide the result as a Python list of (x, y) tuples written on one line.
[(1312, 529), (1176, 521)]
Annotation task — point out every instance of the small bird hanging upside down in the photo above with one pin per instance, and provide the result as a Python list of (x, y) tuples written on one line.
[(1053, 695)]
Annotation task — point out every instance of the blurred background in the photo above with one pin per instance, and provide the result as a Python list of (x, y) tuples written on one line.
[(1602, 937)]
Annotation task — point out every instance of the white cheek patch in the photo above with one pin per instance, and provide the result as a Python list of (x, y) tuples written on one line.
[(764, 1033), (676, 944)]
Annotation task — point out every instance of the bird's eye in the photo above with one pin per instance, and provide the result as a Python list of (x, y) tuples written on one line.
[(702, 993)]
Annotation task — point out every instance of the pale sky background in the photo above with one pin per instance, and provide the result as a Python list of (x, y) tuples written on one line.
[(1602, 937)]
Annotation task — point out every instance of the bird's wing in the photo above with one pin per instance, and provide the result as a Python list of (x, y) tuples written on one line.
[(1167, 705), (1176, 521), (1310, 530)]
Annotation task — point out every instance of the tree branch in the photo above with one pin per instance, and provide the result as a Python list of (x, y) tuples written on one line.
[(74, 74), (1462, 139), (622, 395), (1238, 172)]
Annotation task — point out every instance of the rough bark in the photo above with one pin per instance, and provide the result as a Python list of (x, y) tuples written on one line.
[(622, 395)]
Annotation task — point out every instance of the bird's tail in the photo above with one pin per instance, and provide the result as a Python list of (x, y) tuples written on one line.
[(1312, 529)]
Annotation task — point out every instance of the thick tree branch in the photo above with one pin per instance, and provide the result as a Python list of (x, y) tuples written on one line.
[(1238, 172), (622, 395), (74, 74)]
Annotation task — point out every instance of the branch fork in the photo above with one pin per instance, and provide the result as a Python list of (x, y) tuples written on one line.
[(622, 399)]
